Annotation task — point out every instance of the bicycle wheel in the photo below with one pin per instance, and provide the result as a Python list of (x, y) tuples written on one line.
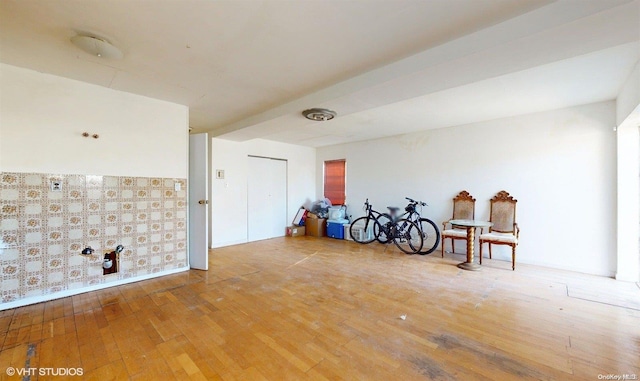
[(382, 229), (406, 236), (360, 230), (430, 235)]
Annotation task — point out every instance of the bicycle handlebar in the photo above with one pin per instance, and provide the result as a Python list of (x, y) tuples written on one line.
[(416, 202)]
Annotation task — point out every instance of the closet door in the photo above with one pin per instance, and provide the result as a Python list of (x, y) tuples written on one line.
[(267, 198), (278, 198)]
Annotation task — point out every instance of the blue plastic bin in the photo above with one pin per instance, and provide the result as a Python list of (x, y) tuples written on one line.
[(335, 230)]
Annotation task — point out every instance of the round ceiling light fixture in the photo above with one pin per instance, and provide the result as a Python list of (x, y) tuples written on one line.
[(319, 114), (96, 46)]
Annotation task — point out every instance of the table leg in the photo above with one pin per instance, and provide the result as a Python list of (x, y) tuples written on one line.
[(469, 265)]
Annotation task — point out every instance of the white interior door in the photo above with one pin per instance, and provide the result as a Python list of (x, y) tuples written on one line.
[(278, 198), (267, 198), (258, 207), (198, 185)]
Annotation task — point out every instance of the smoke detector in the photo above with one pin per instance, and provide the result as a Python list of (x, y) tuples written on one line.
[(319, 114), (96, 46)]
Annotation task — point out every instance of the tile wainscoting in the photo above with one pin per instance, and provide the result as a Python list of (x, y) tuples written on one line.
[(44, 230)]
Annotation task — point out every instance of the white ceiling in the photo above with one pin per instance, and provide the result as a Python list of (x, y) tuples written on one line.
[(247, 69)]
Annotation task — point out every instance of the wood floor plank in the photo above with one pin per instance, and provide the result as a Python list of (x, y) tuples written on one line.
[(324, 309), (115, 371), (286, 354)]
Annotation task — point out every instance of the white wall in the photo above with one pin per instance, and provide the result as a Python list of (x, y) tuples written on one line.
[(42, 118), (628, 201), (229, 195), (629, 97), (628, 197), (559, 165)]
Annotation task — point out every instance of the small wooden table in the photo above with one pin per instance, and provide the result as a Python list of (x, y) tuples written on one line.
[(471, 226)]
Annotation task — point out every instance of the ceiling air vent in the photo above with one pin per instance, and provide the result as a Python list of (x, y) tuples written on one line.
[(319, 114)]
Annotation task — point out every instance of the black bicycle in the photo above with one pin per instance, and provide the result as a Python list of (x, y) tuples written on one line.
[(427, 229), (430, 232), (363, 229), (386, 227), (383, 227)]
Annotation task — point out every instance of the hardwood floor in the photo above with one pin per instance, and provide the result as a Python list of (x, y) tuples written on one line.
[(316, 308)]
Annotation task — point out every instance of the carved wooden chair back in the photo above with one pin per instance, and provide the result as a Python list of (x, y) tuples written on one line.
[(503, 216), (464, 206), (503, 213)]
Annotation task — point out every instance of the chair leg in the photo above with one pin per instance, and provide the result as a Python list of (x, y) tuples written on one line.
[(490, 250), (513, 257), (480, 242), (453, 247), (442, 248)]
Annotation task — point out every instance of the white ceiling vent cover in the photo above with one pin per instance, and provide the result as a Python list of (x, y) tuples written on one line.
[(319, 114)]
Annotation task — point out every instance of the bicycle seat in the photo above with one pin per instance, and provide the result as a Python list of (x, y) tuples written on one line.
[(393, 209)]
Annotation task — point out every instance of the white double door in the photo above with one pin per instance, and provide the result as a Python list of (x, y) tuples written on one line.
[(267, 198)]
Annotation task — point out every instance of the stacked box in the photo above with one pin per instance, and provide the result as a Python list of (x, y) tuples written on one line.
[(316, 227), (295, 231), (300, 217)]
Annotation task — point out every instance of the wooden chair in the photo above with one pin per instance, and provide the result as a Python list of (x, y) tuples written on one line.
[(463, 209), (505, 230)]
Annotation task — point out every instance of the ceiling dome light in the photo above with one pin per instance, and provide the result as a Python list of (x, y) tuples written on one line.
[(96, 46), (319, 114)]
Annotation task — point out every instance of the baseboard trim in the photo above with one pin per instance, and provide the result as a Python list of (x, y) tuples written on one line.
[(627, 277), (67, 293), (216, 245)]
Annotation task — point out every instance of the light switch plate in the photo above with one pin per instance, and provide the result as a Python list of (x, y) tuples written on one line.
[(219, 173)]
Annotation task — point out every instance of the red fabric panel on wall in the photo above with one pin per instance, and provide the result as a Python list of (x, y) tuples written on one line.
[(334, 181)]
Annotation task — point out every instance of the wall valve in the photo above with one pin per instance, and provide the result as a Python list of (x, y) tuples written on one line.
[(110, 262)]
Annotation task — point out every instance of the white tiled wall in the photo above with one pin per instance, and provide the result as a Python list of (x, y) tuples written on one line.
[(43, 231)]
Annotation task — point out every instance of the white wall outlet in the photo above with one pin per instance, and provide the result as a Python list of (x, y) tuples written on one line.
[(177, 187), (56, 185)]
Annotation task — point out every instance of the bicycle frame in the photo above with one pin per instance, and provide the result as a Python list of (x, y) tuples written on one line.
[(386, 228), (428, 228), (371, 214), (368, 221)]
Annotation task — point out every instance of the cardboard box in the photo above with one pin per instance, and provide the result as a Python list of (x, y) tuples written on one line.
[(316, 227), (300, 217), (295, 231)]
